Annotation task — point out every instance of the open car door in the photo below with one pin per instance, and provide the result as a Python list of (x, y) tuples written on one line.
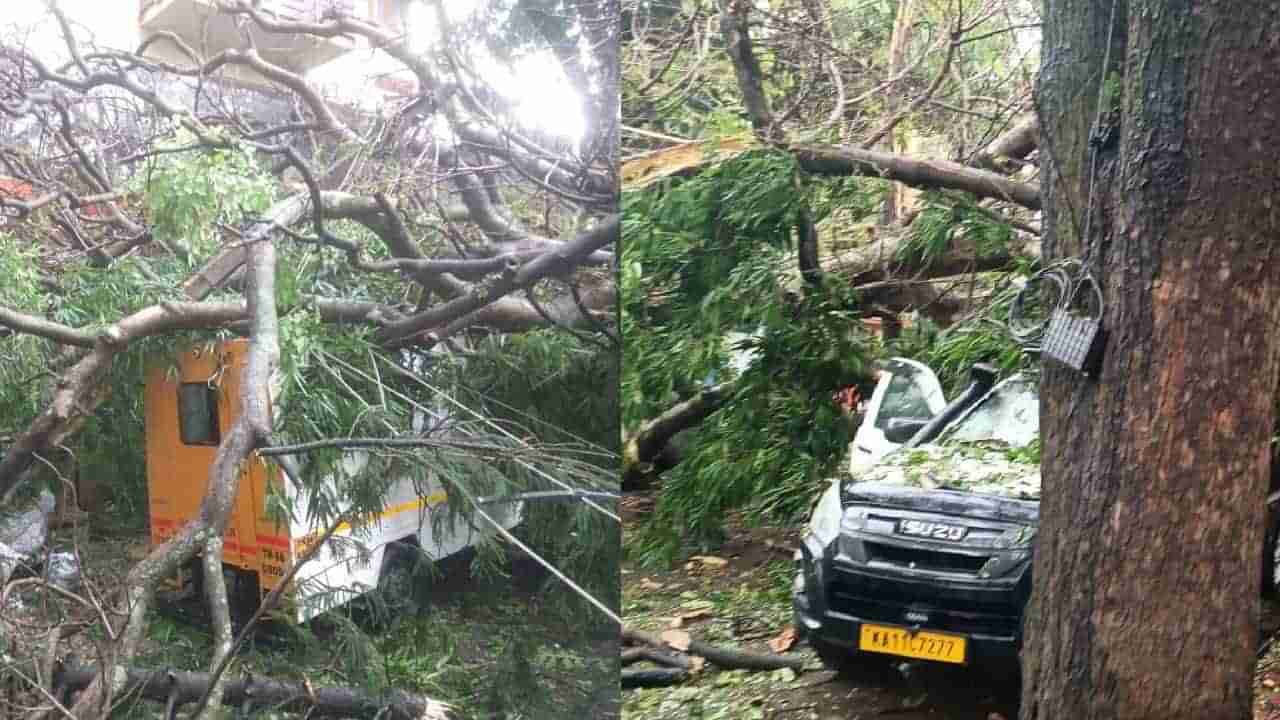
[(906, 389)]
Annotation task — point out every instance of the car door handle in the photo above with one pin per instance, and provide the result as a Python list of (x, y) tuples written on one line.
[(864, 449)]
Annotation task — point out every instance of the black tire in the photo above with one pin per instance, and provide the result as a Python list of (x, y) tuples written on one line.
[(242, 593), (397, 579), (243, 596)]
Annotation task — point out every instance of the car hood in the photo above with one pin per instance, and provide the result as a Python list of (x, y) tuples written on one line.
[(971, 472)]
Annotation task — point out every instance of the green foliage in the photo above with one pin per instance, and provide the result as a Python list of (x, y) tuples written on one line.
[(552, 389), (524, 380), (981, 337), (188, 194), (704, 258), (700, 258), (1029, 454), (23, 359), (511, 398), (20, 267), (856, 198), (770, 447), (945, 218)]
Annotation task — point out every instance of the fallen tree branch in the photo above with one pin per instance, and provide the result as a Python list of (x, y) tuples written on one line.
[(654, 655), (34, 325), (891, 258), (1016, 143), (187, 687), (656, 677), (557, 261), (898, 117), (642, 447), (723, 657), (917, 172), (78, 390)]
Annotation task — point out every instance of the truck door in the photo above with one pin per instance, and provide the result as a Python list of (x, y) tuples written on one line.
[(906, 389)]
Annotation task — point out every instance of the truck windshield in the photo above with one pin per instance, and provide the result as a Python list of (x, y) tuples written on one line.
[(1009, 415)]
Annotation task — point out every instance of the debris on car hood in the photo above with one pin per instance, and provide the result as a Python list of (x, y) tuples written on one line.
[(946, 502), (984, 468)]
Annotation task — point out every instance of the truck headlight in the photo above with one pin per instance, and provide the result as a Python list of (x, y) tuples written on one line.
[(825, 521), (854, 520)]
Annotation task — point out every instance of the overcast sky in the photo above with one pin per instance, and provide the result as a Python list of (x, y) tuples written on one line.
[(537, 84)]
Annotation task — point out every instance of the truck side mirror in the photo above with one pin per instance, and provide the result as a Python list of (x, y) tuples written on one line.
[(900, 430), (983, 375)]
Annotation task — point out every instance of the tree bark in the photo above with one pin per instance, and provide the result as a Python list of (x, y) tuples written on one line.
[(642, 447), (1015, 143), (251, 429), (916, 172), (893, 101), (1145, 599), (187, 687)]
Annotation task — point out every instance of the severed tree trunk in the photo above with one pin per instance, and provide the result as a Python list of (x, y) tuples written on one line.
[(1145, 600), (250, 431), (250, 693)]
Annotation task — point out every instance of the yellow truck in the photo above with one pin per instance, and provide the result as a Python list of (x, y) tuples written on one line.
[(189, 406)]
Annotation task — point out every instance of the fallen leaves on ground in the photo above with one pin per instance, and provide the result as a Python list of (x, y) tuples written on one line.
[(690, 617), (677, 639), (785, 640)]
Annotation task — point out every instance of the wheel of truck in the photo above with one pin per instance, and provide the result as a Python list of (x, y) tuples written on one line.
[(396, 580), (243, 596), (242, 593), (1269, 553)]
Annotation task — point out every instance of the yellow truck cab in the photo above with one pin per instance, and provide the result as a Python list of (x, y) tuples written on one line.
[(190, 404)]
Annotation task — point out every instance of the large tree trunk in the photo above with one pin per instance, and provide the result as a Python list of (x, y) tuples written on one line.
[(1145, 596)]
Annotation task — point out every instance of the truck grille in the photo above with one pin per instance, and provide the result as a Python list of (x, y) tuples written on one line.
[(925, 559), (991, 613)]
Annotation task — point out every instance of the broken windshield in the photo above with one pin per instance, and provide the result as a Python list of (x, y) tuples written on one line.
[(984, 452), (1009, 415)]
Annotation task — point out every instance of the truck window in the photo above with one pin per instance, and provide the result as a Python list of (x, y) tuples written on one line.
[(1010, 414), (198, 414), (904, 398)]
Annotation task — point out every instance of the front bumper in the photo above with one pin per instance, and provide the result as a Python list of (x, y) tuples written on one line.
[(834, 596)]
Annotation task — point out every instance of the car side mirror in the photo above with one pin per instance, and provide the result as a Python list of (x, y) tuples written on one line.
[(900, 430)]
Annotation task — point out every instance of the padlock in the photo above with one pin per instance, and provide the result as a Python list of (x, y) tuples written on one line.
[(1074, 339)]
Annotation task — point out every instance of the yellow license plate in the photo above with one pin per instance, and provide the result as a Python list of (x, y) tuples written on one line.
[(923, 645)]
